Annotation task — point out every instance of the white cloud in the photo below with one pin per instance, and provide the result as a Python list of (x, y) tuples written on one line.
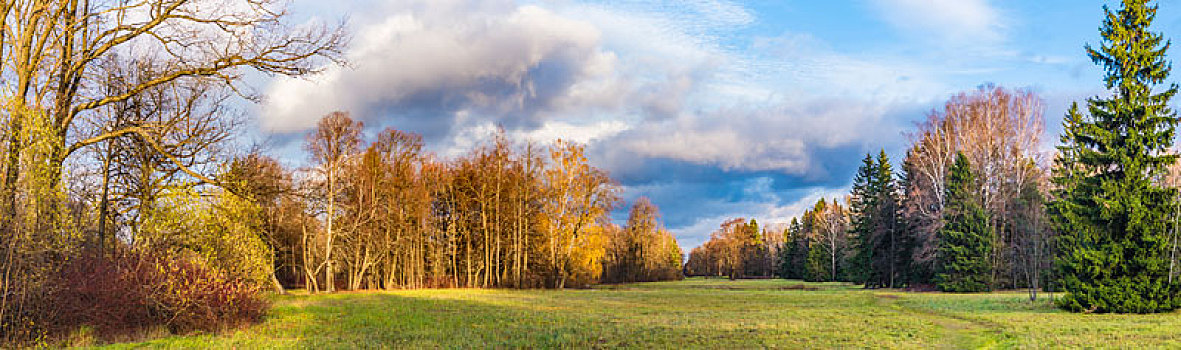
[(972, 21), (580, 133)]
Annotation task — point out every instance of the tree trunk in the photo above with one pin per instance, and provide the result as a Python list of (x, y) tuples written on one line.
[(275, 283), (329, 283), (103, 206)]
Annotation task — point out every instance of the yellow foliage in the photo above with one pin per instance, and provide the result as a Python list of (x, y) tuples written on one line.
[(219, 229)]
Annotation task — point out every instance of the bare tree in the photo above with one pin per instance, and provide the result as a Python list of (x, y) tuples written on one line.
[(999, 131), (831, 232), (336, 138)]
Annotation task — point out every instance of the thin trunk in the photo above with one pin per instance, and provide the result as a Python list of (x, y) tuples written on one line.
[(329, 283), (1173, 249), (103, 206), (275, 283), (309, 275), (893, 245)]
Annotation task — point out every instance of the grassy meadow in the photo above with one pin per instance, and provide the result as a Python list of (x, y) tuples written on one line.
[(695, 313)]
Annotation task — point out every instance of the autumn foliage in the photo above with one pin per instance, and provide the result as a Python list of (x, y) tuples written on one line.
[(738, 249), (131, 292)]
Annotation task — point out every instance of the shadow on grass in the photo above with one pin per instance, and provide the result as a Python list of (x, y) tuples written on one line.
[(454, 320)]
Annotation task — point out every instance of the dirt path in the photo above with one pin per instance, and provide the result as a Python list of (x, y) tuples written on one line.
[(956, 332)]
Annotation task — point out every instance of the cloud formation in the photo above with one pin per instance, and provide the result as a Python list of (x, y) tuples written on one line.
[(428, 62), (663, 95), (782, 138)]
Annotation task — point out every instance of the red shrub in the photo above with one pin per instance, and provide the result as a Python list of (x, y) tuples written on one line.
[(131, 291)]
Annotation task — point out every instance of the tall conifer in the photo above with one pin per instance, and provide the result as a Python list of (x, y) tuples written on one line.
[(864, 209), (965, 240), (886, 244), (1111, 212)]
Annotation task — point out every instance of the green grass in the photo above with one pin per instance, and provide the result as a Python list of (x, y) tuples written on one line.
[(695, 313)]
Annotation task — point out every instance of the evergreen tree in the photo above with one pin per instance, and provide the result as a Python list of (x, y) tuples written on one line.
[(817, 265), (874, 223), (965, 240), (1111, 212), (754, 251), (864, 208), (885, 257), (793, 261)]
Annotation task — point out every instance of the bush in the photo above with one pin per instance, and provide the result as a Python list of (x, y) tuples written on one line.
[(131, 292)]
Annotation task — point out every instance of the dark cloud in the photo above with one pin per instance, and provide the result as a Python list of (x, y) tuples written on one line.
[(423, 66)]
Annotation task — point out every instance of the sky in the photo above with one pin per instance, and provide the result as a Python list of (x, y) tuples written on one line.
[(713, 109)]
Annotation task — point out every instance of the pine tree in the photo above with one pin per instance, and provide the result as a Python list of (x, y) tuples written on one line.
[(864, 208), (965, 240), (1110, 211)]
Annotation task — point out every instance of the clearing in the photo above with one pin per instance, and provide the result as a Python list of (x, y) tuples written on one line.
[(694, 313)]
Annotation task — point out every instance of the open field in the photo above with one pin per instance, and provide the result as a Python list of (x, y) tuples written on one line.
[(710, 313)]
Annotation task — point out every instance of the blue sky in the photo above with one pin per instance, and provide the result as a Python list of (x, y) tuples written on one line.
[(713, 109)]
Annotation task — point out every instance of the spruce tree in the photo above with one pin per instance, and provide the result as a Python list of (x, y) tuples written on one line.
[(817, 265), (965, 240), (797, 251), (885, 257), (864, 209), (1110, 211), (874, 209)]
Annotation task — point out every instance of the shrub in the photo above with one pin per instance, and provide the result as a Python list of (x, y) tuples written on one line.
[(131, 292)]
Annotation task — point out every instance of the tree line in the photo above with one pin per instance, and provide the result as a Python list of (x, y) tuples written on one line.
[(975, 206), (738, 249), (388, 214), (903, 228)]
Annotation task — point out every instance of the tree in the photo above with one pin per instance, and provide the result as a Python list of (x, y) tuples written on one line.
[(1112, 213), (578, 195), (642, 251), (829, 223), (405, 202), (999, 131), (1032, 238), (362, 205), (863, 211), (734, 250), (263, 182), (1172, 179), (792, 257), (965, 240), (755, 251), (56, 104), (885, 258), (335, 139)]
